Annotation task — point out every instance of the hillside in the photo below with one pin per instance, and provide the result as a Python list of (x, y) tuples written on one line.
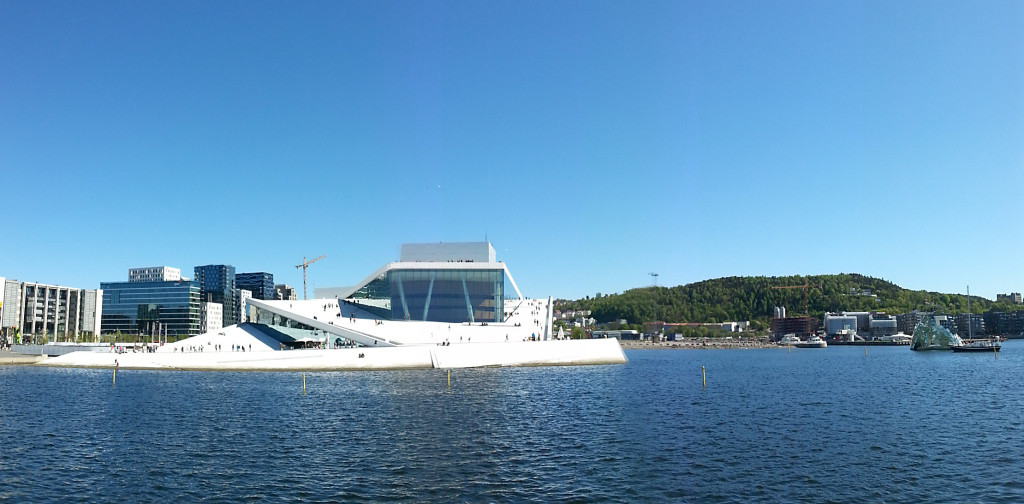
[(753, 298)]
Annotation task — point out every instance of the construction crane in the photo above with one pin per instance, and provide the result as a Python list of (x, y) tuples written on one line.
[(805, 286), (305, 264)]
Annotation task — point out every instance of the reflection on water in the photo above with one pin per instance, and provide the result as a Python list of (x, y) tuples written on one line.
[(771, 425)]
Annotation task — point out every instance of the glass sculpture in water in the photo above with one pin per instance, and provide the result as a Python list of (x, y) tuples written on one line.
[(929, 335)]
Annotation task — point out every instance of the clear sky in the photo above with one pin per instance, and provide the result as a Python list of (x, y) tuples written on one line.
[(591, 142)]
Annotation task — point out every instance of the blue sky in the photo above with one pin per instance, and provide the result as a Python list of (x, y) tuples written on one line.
[(591, 142)]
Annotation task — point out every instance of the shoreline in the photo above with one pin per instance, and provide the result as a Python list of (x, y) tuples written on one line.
[(8, 358), (697, 344)]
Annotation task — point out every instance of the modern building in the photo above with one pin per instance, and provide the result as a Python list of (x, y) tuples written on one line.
[(906, 322), (140, 307), (435, 294), (53, 312), (443, 309), (260, 284), (154, 274), (967, 325), (836, 322), (285, 292), (1006, 324), (1013, 297), (881, 325), (947, 322), (243, 296), (211, 317), (217, 284)]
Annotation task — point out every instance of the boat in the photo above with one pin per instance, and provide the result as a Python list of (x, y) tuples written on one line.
[(897, 339), (790, 340), (814, 342), (975, 345)]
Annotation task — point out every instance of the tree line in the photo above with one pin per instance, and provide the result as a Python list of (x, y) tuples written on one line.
[(754, 299)]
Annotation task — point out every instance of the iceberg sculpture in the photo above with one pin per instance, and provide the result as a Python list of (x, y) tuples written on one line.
[(929, 335)]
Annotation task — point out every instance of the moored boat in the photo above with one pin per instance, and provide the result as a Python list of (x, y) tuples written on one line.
[(978, 345), (814, 342)]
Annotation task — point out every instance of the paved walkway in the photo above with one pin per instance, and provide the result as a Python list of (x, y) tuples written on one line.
[(8, 358)]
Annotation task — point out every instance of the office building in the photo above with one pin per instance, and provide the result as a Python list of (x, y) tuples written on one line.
[(55, 312), (260, 284), (217, 284), (147, 307)]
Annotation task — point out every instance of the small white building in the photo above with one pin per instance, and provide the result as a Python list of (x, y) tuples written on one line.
[(241, 296), (154, 274), (211, 317)]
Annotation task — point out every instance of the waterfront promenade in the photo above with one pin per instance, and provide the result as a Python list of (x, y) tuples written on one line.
[(8, 358)]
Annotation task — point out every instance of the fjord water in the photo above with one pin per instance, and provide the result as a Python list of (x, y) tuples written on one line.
[(831, 425)]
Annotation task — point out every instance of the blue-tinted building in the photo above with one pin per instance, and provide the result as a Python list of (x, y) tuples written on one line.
[(217, 284), (144, 307), (442, 282), (260, 284)]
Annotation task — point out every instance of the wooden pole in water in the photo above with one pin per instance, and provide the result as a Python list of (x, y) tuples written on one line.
[(703, 378), (303, 383), (865, 351)]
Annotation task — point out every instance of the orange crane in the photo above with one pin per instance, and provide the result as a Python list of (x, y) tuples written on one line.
[(805, 286), (305, 264)]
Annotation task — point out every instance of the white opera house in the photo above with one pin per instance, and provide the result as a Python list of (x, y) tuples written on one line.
[(442, 305)]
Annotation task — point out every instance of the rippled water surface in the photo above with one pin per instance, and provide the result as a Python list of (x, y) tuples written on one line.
[(831, 425)]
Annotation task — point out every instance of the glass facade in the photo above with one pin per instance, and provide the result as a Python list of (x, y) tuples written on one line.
[(260, 284), (133, 307), (290, 332), (437, 295), (930, 335), (217, 284)]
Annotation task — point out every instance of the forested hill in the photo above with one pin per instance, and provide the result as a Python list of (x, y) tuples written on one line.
[(753, 298)]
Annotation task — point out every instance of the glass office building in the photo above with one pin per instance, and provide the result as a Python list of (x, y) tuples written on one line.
[(137, 307), (260, 284), (217, 284)]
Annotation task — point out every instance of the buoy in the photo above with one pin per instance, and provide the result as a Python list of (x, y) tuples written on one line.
[(303, 383), (703, 378), (449, 378), (865, 351), (113, 381)]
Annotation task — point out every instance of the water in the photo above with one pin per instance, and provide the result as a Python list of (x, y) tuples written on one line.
[(809, 425)]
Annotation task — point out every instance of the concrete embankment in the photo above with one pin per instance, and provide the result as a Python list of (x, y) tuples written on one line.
[(542, 353), (13, 359)]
